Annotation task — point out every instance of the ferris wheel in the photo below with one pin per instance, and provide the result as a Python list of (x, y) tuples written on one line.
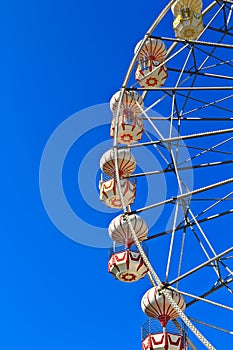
[(175, 106)]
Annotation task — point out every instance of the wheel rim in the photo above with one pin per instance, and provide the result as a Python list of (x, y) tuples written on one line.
[(187, 99)]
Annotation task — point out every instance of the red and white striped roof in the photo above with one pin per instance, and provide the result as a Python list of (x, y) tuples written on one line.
[(153, 49), (120, 232), (126, 162), (155, 304), (131, 102)]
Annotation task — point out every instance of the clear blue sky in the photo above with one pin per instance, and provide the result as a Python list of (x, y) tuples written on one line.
[(58, 57)]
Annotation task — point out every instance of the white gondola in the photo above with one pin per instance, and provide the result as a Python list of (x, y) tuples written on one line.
[(130, 124), (188, 23), (155, 305), (151, 72)]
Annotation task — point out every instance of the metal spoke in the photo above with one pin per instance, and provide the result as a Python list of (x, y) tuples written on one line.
[(207, 150), (212, 290), (205, 300), (181, 251), (215, 57), (180, 88), (219, 30), (194, 119), (208, 262), (169, 169), (229, 15), (184, 137), (207, 242), (190, 72), (183, 226), (183, 196), (172, 242), (211, 66), (210, 325), (206, 104), (194, 42), (214, 205)]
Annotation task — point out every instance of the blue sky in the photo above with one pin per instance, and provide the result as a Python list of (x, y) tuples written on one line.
[(58, 58)]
